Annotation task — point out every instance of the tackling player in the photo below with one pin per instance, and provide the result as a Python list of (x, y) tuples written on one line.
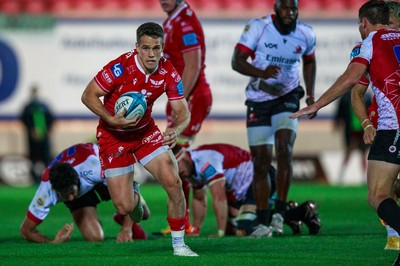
[(75, 178)]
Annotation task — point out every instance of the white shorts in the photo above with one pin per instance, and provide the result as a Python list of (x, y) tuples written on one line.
[(265, 135)]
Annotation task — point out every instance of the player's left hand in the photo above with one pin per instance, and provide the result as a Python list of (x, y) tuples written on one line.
[(309, 110), (310, 101), (170, 137), (124, 236), (64, 234)]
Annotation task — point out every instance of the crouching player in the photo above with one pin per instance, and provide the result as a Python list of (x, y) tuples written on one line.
[(75, 178), (227, 171)]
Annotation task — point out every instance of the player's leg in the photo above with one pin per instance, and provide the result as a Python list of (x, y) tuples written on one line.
[(285, 136), (380, 178), (393, 238), (88, 223), (125, 197), (84, 212), (199, 105), (262, 156), (260, 137), (119, 171), (164, 168)]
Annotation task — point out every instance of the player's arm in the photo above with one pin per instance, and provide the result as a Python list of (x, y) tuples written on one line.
[(360, 110), (343, 84), (240, 64), (30, 233), (309, 73), (181, 121), (220, 205), (191, 71), (91, 98), (199, 207)]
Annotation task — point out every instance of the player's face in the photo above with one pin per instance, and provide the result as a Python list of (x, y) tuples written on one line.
[(185, 166), (286, 14), (168, 6), (150, 50), (68, 194)]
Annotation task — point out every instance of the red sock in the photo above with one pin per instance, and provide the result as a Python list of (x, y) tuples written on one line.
[(138, 232), (177, 224)]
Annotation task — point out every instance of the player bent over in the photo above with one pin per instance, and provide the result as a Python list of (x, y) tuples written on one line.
[(227, 171), (75, 178)]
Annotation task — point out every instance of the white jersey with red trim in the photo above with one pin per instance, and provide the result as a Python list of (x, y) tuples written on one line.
[(384, 71), (214, 162), (267, 46), (85, 160)]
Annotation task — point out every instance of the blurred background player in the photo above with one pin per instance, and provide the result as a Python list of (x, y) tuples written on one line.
[(38, 120), (185, 47), (123, 142), (348, 123), (75, 178), (276, 44), (227, 171), (368, 117)]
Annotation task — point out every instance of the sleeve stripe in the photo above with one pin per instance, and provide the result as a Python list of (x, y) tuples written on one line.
[(245, 49), (100, 85), (33, 218)]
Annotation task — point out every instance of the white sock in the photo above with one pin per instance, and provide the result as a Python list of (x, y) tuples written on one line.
[(178, 238), (391, 232)]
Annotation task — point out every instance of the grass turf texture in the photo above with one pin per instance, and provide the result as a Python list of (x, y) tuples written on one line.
[(351, 235)]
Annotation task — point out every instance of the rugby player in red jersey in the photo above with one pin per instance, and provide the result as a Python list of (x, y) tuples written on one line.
[(123, 142)]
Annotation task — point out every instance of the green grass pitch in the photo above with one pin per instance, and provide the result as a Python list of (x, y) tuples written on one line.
[(351, 235)]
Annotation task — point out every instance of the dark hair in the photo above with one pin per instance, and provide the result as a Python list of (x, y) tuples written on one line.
[(63, 176), (150, 29), (394, 9), (375, 11)]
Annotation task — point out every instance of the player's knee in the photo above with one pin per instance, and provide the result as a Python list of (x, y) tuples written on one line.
[(98, 237), (125, 208), (173, 185)]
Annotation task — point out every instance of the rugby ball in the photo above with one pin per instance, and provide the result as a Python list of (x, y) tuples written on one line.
[(133, 102)]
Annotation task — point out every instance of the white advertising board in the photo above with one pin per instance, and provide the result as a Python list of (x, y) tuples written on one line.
[(63, 60)]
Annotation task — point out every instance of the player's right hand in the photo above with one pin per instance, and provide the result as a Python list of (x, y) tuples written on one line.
[(121, 121), (271, 72), (369, 134), (64, 234), (124, 236)]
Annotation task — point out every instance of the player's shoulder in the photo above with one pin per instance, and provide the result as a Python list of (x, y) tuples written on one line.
[(260, 21), (305, 28), (356, 50), (187, 13), (256, 25)]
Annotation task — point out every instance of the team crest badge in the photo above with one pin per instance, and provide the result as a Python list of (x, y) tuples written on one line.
[(392, 149)]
